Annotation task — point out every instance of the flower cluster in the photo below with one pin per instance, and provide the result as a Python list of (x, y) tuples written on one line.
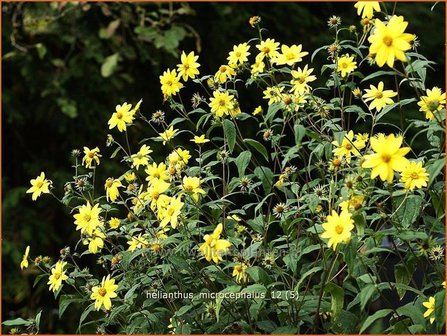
[(306, 204)]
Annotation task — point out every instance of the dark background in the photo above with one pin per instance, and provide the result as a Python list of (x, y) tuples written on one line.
[(55, 98)]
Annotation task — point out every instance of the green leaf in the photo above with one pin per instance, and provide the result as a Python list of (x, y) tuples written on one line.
[(413, 312), (337, 297), (18, 322), (377, 74), (266, 177), (84, 315), (440, 309), (366, 294), (231, 289), (371, 319), (258, 146), (230, 133), (300, 132), (65, 300), (41, 50), (403, 275), (109, 65), (409, 210), (434, 169), (305, 275), (242, 162)]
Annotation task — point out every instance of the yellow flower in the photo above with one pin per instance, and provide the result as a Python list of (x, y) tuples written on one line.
[(267, 48), (389, 42), (130, 176), (346, 65), (257, 67), (95, 241), (433, 102), (114, 223), (430, 305), (239, 54), (258, 110), (273, 94), (155, 191), (254, 20), (200, 139), (57, 276), (121, 118), (213, 248), (301, 78), (170, 213), (87, 220), (24, 263), (357, 92), (355, 202), (234, 217), (167, 135), (378, 96), (39, 186), (138, 242), (91, 155), (224, 73), (111, 187), (235, 110), (156, 172), (189, 66), (136, 108), (103, 293), (290, 55), (348, 147), (388, 156), (414, 176), (192, 185), (338, 228), (239, 272), (366, 9), (179, 157), (142, 157), (221, 103), (170, 83)]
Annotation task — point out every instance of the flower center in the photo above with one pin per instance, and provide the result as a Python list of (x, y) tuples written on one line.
[(302, 80), (344, 65), (87, 217), (186, 66), (57, 275), (414, 176), (102, 291), (223, 69), (109, 183), (119, 115), (379, 95), (290, 56), (388, 41), (386, 158), (222, 102), (433, 105), (238, 268), (266, 50), (339, 229), (188, 187), (39, 184), (238, 54), (91, 155), (169, 83), (348, 146)]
